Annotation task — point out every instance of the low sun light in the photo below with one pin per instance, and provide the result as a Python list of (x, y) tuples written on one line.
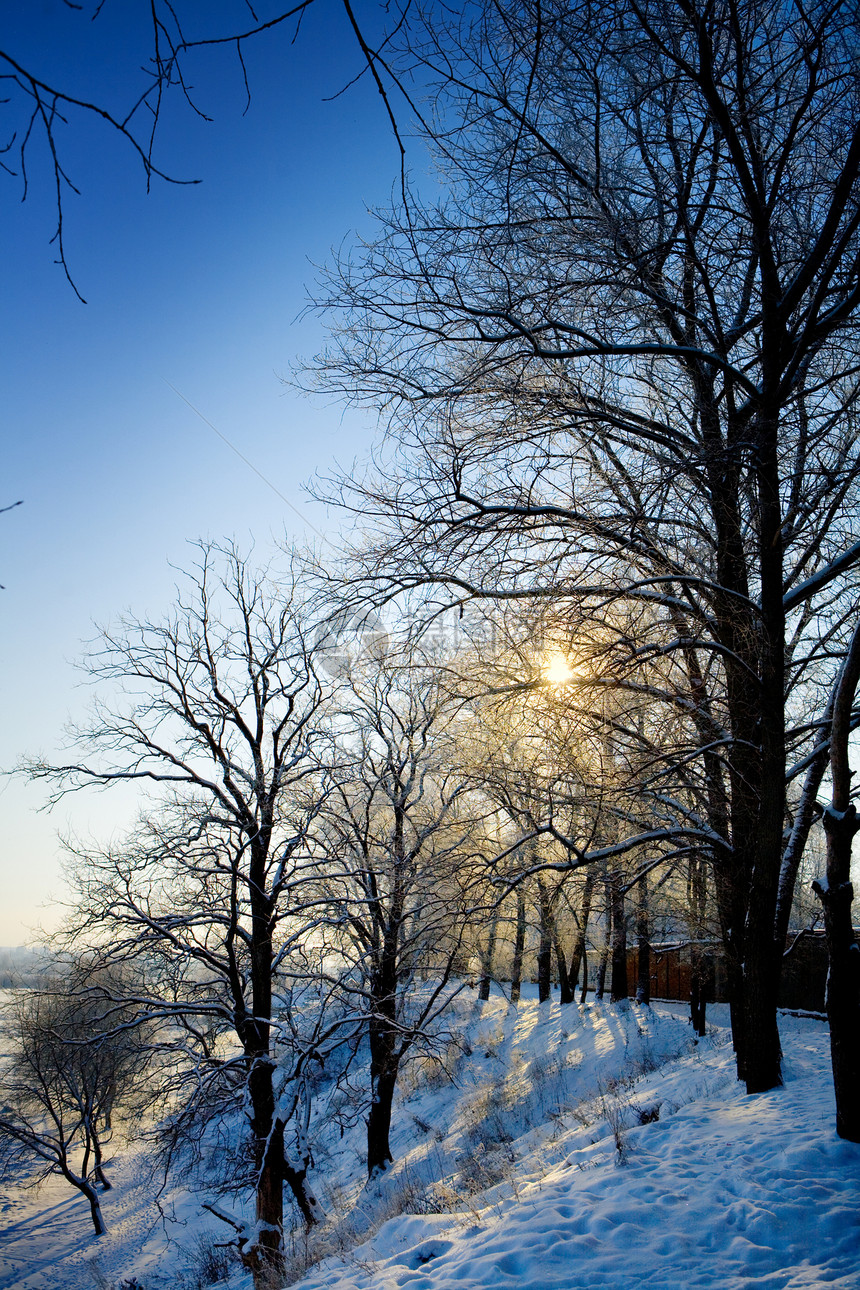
[(557, 670)]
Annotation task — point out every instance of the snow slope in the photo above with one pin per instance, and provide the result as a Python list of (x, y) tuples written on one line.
[(722, 1190), (576, 1148)]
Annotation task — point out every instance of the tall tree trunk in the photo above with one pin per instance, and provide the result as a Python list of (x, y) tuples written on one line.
[(727, 885), (519, 947), (379, 1155), (382, 1029), (487, 961), (740, 633), (583, 994), (544, 954), (603, 961), (620, 989), (566, 989), (602, 964), (384, 1063), (836, 893), (762, 1058), (697, 898), (763, 1053), (578, 956), (698, 1003), (266, 1255), (643, 943), (544, 967)]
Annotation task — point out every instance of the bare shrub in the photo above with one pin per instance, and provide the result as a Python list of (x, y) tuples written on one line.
[(401, 1191), (484, 1168), (209, 1263)]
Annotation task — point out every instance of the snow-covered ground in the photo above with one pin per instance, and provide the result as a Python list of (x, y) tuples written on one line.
[(574, 1148)]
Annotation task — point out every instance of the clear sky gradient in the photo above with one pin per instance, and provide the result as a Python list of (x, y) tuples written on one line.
[(201, 287)]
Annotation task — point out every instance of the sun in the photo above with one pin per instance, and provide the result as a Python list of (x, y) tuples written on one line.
[(557, 670)]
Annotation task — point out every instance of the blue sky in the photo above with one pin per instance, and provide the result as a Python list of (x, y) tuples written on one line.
[(201, 287)]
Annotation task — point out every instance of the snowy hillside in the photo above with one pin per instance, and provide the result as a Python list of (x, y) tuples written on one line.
[(554, 1149)]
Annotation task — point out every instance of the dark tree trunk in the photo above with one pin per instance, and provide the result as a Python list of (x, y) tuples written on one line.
[(383, 1080), (578, 956), (519, 947), (698, 989), (843, 976), (734, 920), (384, 1062), (603, 961), (729, 892), (544, 967), (763, 1054), (602, 964), (487, 961), (583, 994), (620, 987), (297, 1181), (566, 989), (754, 640), (266, 1255), (697, 897), (643, 943), (544, 954), (761, 964), (383, 1084), (96, 1213), (270, 1201), (836, 893), (383, 1035), (98, 1158), (90, 1192)]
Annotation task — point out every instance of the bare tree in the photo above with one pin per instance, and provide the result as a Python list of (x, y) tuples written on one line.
[(216, 706), (62, 1079), (621, 359), (396, 845)]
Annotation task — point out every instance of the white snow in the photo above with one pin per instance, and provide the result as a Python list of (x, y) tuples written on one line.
[(533, 1169)]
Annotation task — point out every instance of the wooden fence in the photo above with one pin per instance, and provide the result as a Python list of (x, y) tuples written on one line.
[(804, 972)]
